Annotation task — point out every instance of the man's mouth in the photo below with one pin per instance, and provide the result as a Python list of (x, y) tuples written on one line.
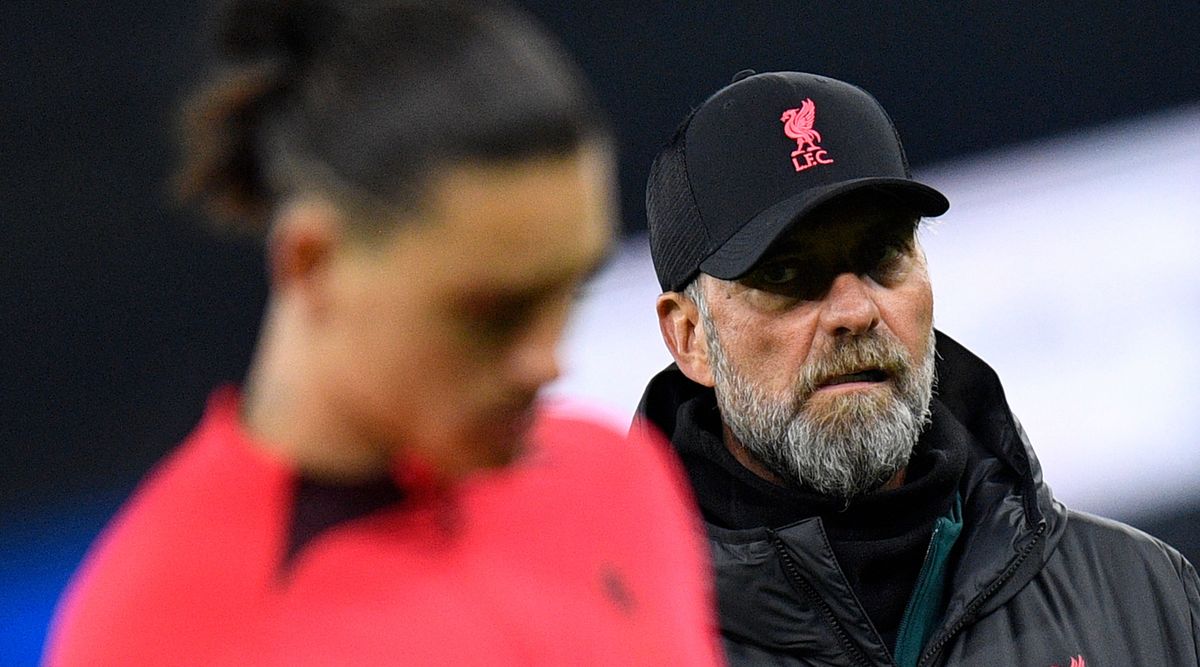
[(869, 375)]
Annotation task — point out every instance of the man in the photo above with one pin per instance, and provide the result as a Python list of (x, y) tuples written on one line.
[(869, 496), (433, 182)]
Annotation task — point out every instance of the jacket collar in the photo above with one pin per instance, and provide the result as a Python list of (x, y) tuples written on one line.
[(1012, 521)]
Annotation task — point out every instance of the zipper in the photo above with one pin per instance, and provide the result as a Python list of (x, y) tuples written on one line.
[(792, 570), (969, 614), (921, 577), (929, 588)]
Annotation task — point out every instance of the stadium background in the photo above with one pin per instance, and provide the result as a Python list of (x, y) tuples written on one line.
[(1067, 136)]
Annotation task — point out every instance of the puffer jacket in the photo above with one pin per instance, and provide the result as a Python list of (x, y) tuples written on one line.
[(1032, 583)]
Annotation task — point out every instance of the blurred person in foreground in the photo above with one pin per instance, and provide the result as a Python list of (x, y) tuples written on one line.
[(434, 182), (869, 496)]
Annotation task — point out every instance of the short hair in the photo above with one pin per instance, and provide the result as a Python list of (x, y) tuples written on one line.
[(362, 101), (695, 291)]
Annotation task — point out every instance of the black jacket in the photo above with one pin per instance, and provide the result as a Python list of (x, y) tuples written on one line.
[(1032, 583)]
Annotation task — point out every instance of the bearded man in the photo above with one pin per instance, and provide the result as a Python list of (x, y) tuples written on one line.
[(870, 499)]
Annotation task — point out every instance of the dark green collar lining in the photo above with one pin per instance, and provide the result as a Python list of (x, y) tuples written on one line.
[(926, 604)]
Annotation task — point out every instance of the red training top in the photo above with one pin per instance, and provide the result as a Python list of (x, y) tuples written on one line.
[(584, 552)]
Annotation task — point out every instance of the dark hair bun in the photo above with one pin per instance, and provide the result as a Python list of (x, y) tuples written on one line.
[(262, 47), (361, 100)]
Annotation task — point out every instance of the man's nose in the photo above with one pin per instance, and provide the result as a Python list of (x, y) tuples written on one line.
[(849, 307), (533, 359)]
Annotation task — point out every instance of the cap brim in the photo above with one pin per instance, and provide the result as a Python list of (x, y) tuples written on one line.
[(742, 251)]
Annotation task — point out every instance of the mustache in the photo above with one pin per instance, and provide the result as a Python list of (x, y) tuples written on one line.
[(871, 352)]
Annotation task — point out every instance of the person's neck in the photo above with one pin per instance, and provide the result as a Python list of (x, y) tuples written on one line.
[(751, 462), (284, 408)]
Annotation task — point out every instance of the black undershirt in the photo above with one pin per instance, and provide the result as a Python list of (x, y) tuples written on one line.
[(879, 541), (320, 506)]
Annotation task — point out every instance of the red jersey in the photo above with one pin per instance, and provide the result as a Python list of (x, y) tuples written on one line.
[(584, 552)]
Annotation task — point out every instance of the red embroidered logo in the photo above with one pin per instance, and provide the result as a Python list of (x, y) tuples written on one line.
[(798, 125), (1077, 661)]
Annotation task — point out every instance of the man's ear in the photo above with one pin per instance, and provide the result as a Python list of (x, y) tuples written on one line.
[(683, 333), (301, 246)]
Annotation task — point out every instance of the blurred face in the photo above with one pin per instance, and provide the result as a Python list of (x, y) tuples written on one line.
[(822, 357), (447, 327)]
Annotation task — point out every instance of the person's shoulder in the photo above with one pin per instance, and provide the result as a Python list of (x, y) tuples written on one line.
[(584, 450), (1118, 571), (1118, 544), (1116, 534), (216, 465), (205, 520), (627, 486), (587, 437)]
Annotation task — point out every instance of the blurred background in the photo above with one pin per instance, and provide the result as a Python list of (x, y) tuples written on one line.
[(1066, 135)]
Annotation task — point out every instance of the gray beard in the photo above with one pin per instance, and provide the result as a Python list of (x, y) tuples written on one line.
[(846, 446)]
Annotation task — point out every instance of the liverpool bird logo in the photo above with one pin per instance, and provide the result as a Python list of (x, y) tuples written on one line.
[(798, 125)]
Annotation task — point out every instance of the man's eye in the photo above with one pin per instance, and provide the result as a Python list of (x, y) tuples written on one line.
[(493, 321), (889, 262), (778, 275), (499, 325)]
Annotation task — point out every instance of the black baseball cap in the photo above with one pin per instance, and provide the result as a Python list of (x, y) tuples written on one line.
[(758, 155)]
